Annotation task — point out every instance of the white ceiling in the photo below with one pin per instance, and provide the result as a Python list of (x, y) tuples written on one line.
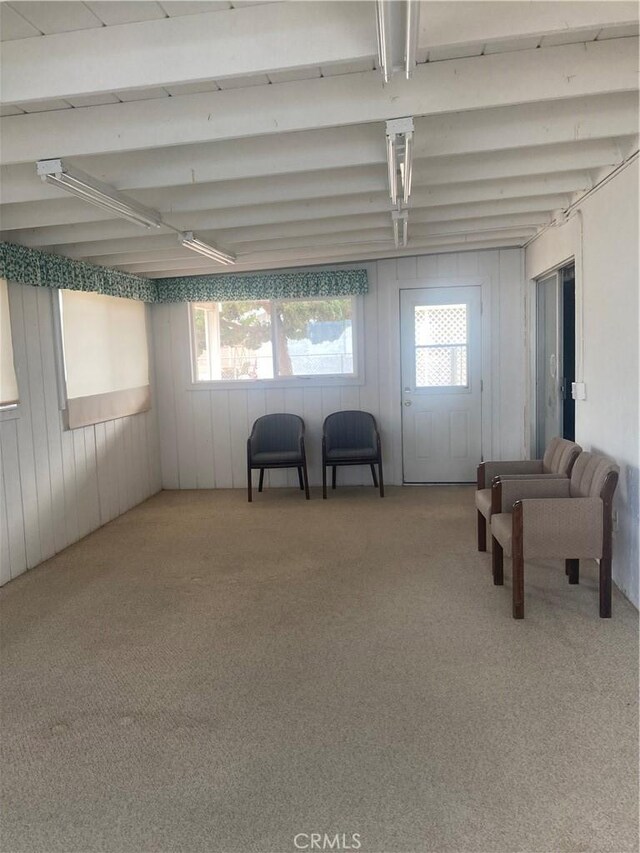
[(260, 126)]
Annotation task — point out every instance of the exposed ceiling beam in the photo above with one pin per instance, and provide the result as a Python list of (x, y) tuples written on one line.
[(444, 24), (524, 126), (370, 237), (386, 238), (311, 257), (166, 246), (510, 188), (264, 38), (177, 205), (568, 71)]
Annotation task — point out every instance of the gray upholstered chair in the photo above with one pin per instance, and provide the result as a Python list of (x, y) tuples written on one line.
[(351, 438), (277, 441), (558, 461), (569, 519)]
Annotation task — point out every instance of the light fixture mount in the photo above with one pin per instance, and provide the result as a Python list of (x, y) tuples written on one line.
[(190, 241)]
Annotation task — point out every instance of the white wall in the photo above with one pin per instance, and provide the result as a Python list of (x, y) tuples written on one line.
[(56, 485), (203, 433), (606, 254)]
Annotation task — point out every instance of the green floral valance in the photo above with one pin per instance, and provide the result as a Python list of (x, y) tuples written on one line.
[(282, 285), (30, 266)]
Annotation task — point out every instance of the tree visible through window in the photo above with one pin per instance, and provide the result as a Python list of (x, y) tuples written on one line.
[(271, 339)]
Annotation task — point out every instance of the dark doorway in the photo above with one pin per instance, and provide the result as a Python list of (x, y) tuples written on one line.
[(568, 296)]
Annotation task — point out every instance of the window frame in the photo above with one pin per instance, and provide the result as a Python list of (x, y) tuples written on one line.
[(326, 380), (12, 410)]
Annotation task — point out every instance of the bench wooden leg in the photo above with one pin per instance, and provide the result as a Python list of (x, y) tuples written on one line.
[(573, 570), (605, 588), (482, 532), (497, 562)]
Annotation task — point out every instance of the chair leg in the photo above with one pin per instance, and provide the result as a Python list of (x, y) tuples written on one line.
[(324, 481), (573, 570), (249, 495), (261, 479), (482, 532), (605, 588), (381, 478), (333, 477), (497, 562), (306, 480), (300, 479), (517, 559), (518, 585), (374, 475)]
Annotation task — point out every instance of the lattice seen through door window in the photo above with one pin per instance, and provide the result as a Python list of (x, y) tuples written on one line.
[(441, 338)]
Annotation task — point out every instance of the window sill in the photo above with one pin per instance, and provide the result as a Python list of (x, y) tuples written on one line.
[(266, 384), (10, 413)]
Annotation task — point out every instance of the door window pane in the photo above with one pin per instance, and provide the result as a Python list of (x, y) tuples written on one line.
[(441, 338)]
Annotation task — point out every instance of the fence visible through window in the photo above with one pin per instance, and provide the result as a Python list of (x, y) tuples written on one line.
[(441, 344)]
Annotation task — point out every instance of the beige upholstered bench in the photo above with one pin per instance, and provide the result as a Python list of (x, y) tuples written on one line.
[(556, 518), (557, 462)]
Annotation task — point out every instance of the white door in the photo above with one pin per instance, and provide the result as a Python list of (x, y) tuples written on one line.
[(441, 384)]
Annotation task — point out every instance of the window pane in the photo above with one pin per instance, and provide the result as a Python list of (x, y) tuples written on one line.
[(441, 366), (315, 337), (441, 324), (8, 382), (441, 345), (245, 340)]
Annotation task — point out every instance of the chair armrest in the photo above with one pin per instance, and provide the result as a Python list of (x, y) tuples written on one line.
[(504, 493), (494, 469), (570, 528), (531, 477)]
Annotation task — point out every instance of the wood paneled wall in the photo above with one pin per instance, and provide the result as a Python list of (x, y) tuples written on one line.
[(203, 432), (57, 485)]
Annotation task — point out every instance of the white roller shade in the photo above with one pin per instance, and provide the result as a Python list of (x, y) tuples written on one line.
[(8, 381), (105, 355)]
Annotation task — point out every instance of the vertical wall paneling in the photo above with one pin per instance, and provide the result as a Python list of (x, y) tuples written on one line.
[(57, 485), (187, 446), (26, 458)]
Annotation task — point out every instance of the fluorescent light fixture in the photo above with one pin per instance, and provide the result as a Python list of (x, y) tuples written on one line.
[(187, 240), (400, 221), (382, 27), (74, 181), (411, 36), (400, 158)]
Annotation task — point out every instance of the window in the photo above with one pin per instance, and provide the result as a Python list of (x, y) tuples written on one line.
[(441, 335), (8, 381), (245, 341), (105, 349)]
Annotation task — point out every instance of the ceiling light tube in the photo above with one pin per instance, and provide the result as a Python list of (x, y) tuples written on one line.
[(408, 167), (399, 220), (411, 37), (83, 186), (383, 35), (187, 240), (399, 134), (392, 169)]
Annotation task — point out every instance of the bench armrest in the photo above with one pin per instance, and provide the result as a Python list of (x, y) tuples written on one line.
[(488, 470), (504, 493)]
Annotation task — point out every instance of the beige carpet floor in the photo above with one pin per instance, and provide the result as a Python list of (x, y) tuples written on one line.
[(207, 675)]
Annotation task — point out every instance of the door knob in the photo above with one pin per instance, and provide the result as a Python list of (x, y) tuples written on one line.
[(407, 402)]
